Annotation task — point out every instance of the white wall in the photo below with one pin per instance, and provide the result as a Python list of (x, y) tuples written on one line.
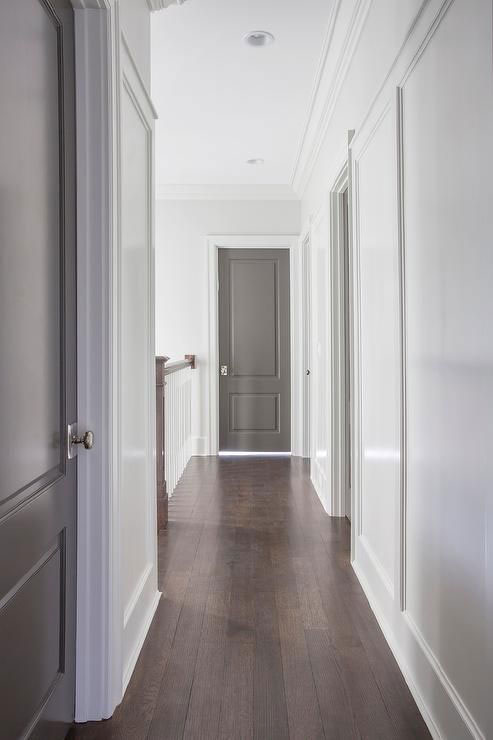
[(182, 298), (422, 511)]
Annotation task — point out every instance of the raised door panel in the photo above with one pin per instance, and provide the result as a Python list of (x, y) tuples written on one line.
[(254, 318)]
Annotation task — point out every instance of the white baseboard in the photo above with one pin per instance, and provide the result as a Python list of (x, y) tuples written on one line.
[(448, 719), (199, 446), (132, 661)]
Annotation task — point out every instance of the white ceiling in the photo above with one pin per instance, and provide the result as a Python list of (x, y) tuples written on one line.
[(221, 102)]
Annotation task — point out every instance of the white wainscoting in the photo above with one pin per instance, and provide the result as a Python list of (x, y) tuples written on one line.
[(178, 426), (136, 397), (423, 389)]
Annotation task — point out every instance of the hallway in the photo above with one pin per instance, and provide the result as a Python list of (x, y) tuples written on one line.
[(263, 629)]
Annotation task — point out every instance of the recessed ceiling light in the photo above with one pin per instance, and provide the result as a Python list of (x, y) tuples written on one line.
[(258, 38), (259, 160)]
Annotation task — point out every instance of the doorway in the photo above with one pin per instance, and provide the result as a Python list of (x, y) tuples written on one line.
[(254, 350), (346, 315), (341, 318), (306, 343)]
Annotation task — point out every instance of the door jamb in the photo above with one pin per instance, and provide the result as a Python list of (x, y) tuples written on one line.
[(338, 369), (306, 338), (255, 241)]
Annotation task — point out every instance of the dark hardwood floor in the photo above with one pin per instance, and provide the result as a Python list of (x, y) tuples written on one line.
[(263, 630)]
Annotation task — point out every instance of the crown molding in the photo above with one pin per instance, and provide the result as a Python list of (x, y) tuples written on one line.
[(225, 192), (162, 4), (328, 83)]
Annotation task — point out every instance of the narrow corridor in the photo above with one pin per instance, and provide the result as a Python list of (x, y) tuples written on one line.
[(263, 629)]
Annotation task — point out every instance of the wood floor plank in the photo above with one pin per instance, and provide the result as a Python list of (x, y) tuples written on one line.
[(269, 699)]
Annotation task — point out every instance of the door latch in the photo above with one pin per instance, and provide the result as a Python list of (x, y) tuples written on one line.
[(224, 369), (73, 439)]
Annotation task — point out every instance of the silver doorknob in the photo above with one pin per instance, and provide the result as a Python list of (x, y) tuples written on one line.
[(87, 440)]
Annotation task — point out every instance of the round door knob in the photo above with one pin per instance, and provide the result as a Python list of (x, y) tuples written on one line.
[(87, 440)]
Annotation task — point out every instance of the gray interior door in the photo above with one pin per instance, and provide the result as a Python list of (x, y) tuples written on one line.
[(37, 369), (254, 350)]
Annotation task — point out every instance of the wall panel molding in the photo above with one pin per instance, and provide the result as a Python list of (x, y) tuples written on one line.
[(440, 687)]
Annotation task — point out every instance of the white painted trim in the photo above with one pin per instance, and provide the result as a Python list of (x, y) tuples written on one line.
[(253, 241), (140, 642), (311, 144), (338, 364), (306, 338), (398, 655), (100, 677), (225, 192), (98, 650), (143, 602), (441, 705)]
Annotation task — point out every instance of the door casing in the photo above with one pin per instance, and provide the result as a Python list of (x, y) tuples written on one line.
[(100, 46)]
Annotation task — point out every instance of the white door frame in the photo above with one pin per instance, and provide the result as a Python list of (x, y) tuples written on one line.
[(100, 674), (338, 369), (255, 241), (98, 653), (305, 310)]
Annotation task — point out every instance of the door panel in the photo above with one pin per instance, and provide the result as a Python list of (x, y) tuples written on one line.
[(254, 344), (37, 368)]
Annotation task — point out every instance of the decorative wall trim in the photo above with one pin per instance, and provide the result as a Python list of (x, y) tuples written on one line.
[(129, 609), (101, 676), (447, 684), (145, 595), (326, 46), (252, 241), (311, 144), (225, 192), (441, 705), (398, 655), (155, 5), (402, 533), (132, 661)]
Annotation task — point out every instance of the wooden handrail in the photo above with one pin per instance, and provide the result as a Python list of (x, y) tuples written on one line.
[(176, 365)]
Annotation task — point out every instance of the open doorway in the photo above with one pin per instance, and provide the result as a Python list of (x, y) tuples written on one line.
[(346, 316), (341, 343)]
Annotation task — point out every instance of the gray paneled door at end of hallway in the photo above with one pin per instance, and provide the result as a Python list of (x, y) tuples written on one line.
[(37, 369), (254, 350)]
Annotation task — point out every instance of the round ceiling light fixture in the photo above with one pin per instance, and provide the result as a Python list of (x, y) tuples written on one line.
[(257, 160), (258, 38)]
